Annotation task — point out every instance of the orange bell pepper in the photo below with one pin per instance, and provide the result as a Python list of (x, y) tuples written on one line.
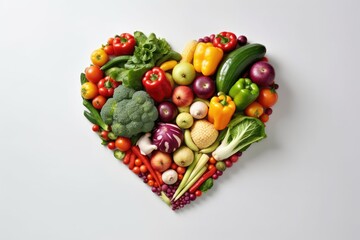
[(207, 58), (221, 109)]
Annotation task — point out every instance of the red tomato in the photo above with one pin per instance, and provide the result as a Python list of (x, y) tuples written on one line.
[(94, 74), (138, 162), (123, 144), (99, 101), (267, 97)]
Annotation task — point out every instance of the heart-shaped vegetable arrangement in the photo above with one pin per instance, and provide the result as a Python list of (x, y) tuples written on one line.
[(179, 120)]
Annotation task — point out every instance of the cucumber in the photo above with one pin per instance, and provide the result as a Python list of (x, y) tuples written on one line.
[(234, 64)]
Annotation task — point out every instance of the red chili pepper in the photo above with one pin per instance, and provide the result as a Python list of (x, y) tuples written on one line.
[(132, 161), (146, 162), (106, 86), (124, 44), (156, 84), (202, 179), (126, 159), (227, 41)]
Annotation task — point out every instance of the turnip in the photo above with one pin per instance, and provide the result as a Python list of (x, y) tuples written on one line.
[(169, 176), (199, 110)]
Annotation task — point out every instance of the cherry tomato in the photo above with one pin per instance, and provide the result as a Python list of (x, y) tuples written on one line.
[(143, 169), (89, 90), (180, 170), (174, 166), (150, 177), (95, 128), (151, 183), (138, 162), (267, 97), (211, 166), (198, 193), (212, 160), (136, 170), (99, 102), (123, 143), (109, 49), (264, 118), (180, 176), (255, 109), (94, 74), (99, 57), (111, 145), (104, 135)]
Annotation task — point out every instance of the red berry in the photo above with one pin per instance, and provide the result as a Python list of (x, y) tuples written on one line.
[(228, 163), (215, 176), (234, 158)]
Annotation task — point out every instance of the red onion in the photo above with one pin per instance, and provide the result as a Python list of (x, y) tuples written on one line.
[(167, 137)]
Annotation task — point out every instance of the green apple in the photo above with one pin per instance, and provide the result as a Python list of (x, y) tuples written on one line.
[(183, 156), (183, 73), (184, 120), (184, 109)]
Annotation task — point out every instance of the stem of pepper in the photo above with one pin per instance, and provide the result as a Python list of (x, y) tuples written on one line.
[(224, 40), (154, 77), (223, 102)]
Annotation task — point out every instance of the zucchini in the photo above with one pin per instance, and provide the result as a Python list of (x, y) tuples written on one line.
[(235, 64)]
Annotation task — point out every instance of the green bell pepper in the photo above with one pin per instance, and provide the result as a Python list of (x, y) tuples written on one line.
[(244, 92)]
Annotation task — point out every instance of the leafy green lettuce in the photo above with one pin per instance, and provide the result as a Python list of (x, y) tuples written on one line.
[(148, 51)]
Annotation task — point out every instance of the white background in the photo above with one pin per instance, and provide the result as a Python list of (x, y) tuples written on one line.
[(58, 182)]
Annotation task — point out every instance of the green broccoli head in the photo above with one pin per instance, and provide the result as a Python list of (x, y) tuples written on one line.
[(129, 112)]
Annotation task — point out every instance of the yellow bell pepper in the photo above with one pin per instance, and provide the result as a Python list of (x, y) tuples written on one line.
[(221, 109), (207, 58)]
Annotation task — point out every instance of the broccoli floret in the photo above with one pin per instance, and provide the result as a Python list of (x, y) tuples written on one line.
[(122, 92), (107, 111), (140, 97), (129, 112)]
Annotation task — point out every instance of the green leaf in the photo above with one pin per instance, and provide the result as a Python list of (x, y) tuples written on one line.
[(83, 78), (206, 185)]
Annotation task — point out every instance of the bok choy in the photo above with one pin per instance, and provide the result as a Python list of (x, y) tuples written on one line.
[(241, 132)]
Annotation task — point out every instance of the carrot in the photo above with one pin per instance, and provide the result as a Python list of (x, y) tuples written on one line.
[(132, 161), (202, 179), (159, 177), (127, 157), (146, 162)]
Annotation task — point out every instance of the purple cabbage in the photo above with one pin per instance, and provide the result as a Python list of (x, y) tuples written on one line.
[(167, 137)]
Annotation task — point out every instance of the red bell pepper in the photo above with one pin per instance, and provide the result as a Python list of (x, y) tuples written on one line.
[(156, 84), (106, 86), (226, 41), (124, 44)]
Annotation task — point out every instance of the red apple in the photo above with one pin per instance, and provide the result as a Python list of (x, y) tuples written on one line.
[(262, 73), (160, 161), (182, 96), (204, 87)]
